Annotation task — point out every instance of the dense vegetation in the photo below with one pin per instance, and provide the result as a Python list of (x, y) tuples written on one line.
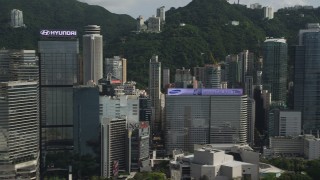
[(298, 168), (208, 35)]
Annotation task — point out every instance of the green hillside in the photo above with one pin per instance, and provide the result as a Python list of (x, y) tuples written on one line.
[(57, 14), (207, 37)]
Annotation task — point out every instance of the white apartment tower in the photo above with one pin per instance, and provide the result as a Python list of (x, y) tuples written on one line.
[(16, 18), (92, 54), (154, 24), (268, 12), (161, 13), (154, 91)]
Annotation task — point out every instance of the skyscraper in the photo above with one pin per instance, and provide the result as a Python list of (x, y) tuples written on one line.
[(202, 116), (114, 146), (92, 54), (154, 91), (183, 78), (212, 76), (307, 77), (117, 66), (165, 77), (59, 58), (18, 65), (209, 75), (19, 129), (233, 71), (86, 119), (274, 76)]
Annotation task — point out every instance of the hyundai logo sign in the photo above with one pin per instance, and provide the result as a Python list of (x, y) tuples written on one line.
[(58, 33)]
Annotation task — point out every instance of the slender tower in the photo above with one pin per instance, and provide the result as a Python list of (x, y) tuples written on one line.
[(92, 54), (154, 91)]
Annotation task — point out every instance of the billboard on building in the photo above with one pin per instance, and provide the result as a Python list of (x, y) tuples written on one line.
[(204, 92)]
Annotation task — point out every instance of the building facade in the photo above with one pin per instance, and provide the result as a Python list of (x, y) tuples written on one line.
[(161, 13), (268, 12), (154, 92), (86, 119), (117, 67), (275, 63), (202, 116), (114, 146), (19, 130), (59, 58), (16, 18), (307, 76), (92, 54), (125, 106), (165, 77)]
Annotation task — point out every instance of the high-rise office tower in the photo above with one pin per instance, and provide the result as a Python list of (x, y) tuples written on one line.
[(274, 76), (248, 86), (114, 146), (117, 66), (243, 64), (246, 64), (212, 76), (19, 129), (233, 71), (161, 13), (19, 112), (154, 92), (202, 116), (59, 58), (18, 65), (251, 115), (145, 109), (307, 75), (229, 119), (92, 54), (209, 75), (139, 146), (182, 78), (165, 77), (119, 107), (16, 18), (86, 119)]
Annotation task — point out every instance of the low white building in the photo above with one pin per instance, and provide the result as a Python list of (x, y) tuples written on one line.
[(286, 146), (312, 148), (303, 145), (211, 163)]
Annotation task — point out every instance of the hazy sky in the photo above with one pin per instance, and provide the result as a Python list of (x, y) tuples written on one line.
[(147, 8)]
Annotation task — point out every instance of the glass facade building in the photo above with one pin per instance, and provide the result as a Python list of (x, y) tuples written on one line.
[(307, 79), (275, 62), (58, 74)]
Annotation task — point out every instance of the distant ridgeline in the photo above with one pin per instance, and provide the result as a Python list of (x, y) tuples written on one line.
[(204, 31)]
